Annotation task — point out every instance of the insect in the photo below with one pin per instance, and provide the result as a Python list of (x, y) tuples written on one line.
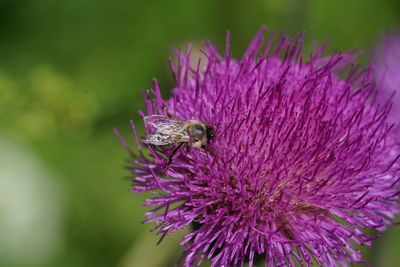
[(171, 131)]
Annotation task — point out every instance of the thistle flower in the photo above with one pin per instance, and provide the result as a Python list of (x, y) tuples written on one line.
[(302, 160), (387, 70)]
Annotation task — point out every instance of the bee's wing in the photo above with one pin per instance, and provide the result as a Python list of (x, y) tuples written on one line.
[(168, 131), (157, 120)]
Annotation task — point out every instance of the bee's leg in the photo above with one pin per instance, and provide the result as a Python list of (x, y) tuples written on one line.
[(187, 147), (169, 113), (173, 154)]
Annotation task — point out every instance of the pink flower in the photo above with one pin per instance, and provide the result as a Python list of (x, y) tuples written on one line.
[(302, 160), (387, 71)]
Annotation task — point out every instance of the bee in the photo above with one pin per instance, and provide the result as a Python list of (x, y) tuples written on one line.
[(173, 132)]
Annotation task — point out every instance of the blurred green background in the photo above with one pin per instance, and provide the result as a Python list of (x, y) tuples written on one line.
[(70, 71)]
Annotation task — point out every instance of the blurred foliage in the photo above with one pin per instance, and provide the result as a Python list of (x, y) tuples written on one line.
[(45, 104), (72, 70)]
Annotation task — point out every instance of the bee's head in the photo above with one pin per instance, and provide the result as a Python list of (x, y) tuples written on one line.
[(196, 131), (209, 132), (201, 131)]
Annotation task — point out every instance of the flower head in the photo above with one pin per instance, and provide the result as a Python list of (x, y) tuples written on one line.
[(302, 160), (387, 70)]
